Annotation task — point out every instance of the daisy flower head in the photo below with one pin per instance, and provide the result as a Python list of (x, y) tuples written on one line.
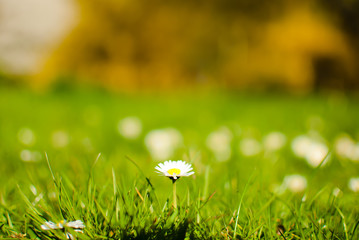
[(174, 169), (51, 225), (77, 225)]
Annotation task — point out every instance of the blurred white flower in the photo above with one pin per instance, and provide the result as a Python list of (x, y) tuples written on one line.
[(295, 183), (312, 150), (250, 147), (130, 127), (300, 145), (345, 147), (219, 142), (274, 141), (30, 156), (26, 155), (316, 153), (355, 153), (26, 136), (354, 184), (162, 143), (60, 139)]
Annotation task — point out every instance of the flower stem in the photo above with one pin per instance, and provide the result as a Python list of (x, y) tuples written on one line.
[(174, 195)]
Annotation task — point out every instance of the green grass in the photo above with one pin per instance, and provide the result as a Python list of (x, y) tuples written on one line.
[(118, 195)]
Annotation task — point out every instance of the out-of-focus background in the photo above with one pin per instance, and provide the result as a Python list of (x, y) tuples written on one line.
[(126, 46), (228, 85)]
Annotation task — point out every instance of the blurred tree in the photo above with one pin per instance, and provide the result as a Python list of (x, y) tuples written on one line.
[(131, 45), (345, 15)]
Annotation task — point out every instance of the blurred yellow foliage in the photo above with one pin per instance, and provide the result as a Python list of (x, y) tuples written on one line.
[(131, 45), (289, 46)]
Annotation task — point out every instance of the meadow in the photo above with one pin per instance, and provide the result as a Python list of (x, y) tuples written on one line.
[(269, 166)]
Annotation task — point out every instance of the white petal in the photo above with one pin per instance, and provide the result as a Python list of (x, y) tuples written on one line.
[(76, 224), (50, 225), (69, 236)]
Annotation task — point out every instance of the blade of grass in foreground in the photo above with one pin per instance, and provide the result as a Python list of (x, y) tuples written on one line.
[(240, 204), (147, 179), (344, 224)]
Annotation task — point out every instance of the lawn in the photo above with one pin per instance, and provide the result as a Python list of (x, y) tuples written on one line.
[(266, 166)]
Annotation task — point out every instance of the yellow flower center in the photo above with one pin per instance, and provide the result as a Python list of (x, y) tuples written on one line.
[(174, 171), (61, 223)]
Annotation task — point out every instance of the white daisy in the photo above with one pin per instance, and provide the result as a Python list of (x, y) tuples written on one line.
[(295, 183), (312, 150), (346, 147), (60, 139), (76, 225), (274, 141), (30, 156), (354, 184), (219, 142), (162, 143), (175, 169), (317, 153), (51, 225), (130, 127), (26, 136), (250, 147), (301, 145)]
